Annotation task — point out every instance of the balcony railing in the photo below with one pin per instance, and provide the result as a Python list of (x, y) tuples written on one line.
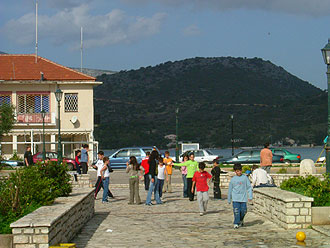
[(35, 118)]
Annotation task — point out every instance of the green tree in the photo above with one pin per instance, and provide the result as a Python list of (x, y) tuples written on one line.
[(7, 119)]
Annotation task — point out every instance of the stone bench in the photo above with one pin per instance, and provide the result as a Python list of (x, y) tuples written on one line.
[(59, 222), (287, 209)]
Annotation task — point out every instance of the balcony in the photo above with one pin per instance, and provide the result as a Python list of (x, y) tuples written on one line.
[(35, 118)]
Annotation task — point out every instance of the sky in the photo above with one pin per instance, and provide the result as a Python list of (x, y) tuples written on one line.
[(129, 34)]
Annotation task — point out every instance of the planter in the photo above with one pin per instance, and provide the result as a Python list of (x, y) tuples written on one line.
[(6, 240), (321, 215)]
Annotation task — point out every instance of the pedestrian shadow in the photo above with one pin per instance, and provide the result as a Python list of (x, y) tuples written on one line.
[(253, 223), (88, 230), (214, 211)]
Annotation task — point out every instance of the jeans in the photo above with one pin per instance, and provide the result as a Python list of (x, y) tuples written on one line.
[(189, 185), (159, 187), (216, 190), (146, 182), (84, 167), (240, 210), (78, 168), (151, 189), (202, 198), (99, 185), (185, 186), (105, 189)]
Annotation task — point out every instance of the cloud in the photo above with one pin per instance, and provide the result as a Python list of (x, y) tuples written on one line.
[(191, 30), (297, 7), (99, 30)]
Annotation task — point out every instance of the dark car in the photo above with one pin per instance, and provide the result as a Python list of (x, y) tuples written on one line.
[(11, 163), (53, 157), (289, 157), (249, 157), (119, 159)]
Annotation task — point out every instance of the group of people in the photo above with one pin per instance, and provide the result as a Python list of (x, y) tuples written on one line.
[(156, 173)]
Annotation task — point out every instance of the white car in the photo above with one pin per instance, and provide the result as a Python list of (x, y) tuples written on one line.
[(201, 155)]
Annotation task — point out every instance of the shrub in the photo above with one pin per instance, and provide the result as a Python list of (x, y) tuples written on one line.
[(246, 167), (31, 187), (310, 186), (16, 157), (282, 171)]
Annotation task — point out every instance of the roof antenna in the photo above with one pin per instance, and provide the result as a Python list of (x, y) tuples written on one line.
[(81, 48), (36, 31)]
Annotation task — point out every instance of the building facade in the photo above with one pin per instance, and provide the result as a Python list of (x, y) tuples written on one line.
[(29, 84)]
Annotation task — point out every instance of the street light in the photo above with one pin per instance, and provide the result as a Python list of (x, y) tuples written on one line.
[(232, 134), (58, 95), (326, 57), (43, 114), (177, 135)]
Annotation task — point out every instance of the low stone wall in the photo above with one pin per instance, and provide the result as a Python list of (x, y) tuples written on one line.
[(60, 222), (278, 178), (287, 209), (321, 215)]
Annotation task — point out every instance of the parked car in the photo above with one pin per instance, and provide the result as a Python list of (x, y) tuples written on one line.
[(289, 157), (119, 159), (251, 156), (11, 163), (53, 157), (201, 155)]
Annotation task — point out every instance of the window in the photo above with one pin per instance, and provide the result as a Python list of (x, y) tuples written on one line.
[(122, 153), (199, 153), (279, 152), (135, 152), (71, 102), (31, 103), (5, 98), (244, 154)]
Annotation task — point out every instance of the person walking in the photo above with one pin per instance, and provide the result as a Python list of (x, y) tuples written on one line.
[(105, 174), (133, 169), (153, 161), (192, 167), (161, 175), (201, 179), (84, 158), (99, 166), (145, 166), (266, 158), (216, 179), (28, 158), (168, 164), (239, 192), (184, 177)]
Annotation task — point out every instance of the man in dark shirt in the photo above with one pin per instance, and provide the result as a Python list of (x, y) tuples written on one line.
[(28, 159), (216, 179)]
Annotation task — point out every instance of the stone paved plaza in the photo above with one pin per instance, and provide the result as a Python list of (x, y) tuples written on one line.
[(177, 224)]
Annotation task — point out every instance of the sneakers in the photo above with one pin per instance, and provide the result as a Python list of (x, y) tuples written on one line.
[(105, 202), (149, 204), (201, 214), (236, 226)]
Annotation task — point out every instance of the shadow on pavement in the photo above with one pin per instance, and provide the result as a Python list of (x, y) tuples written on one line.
[(82, 238), (252, 223)]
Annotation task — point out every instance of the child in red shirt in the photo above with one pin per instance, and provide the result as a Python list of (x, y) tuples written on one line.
[(145, 166), (201, 179)]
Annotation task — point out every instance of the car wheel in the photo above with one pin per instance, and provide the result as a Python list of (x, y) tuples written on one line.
[(70, 167), (287, 161)]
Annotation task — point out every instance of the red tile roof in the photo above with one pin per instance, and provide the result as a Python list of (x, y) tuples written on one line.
[(18, 67)]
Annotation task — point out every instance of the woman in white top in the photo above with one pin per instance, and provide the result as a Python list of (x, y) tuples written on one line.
[(162, 172)]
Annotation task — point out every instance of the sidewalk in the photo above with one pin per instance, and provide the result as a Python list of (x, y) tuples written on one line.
[(177, 224)]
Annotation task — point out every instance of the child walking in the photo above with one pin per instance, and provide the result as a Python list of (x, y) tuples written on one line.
[(133, 168), (105, 174), (162, 172), (239, 192), (201, 179)]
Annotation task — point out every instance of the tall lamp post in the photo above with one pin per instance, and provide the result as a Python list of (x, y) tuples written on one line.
[(58, 95), (326, 57), (43, 114), (177, 135), (232, 134)]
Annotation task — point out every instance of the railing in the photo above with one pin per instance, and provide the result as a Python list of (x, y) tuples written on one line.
[(34, 118)]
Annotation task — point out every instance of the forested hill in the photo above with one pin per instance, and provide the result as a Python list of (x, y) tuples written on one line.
[(137, 107)]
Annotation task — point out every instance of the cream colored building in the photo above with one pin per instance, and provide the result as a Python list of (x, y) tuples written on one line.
[(30, 85)]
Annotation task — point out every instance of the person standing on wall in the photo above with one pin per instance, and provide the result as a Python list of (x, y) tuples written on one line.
[(84, 159), (28, 158), (266, 158)]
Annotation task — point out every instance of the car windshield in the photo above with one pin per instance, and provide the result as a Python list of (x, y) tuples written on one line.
[(209, 152), (147, 150), (286, 151)]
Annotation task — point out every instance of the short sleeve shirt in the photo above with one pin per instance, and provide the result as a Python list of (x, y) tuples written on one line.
[(99, 164), (83, 156), (201, 180), (28, 156)]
